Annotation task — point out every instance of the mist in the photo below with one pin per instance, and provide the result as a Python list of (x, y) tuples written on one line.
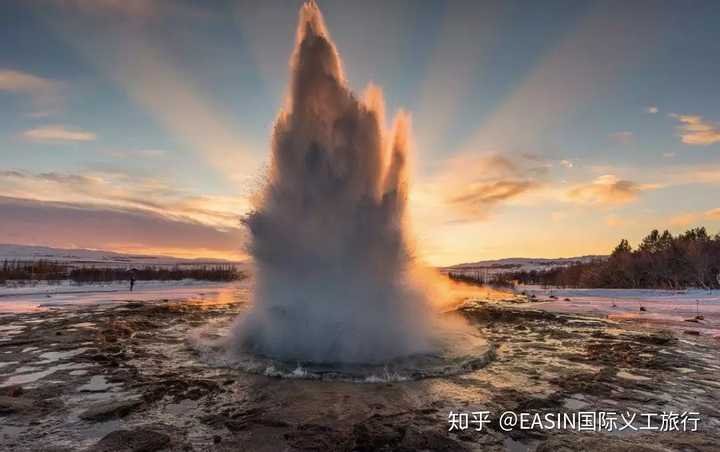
[(335, 274)]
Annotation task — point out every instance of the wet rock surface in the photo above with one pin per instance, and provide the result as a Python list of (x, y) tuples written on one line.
[(127, 378), (139, 439), (111, 409)]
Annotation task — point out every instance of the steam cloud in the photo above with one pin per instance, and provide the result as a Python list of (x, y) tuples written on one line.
[(333, 265)]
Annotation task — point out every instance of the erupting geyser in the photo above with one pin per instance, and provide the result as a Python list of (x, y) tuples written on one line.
[(333, 264)]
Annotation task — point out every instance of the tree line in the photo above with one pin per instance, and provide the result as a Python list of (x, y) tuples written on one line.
[(660, 261), (43, 270)]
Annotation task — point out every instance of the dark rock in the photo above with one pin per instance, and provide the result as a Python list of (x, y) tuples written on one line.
[(12, 391), (586, 382), (429, 440), (267, 422), (595, 443), (692, 332), (378, 433), (137, 440), (180, 389), (18, 342), (316, 437), (493, 314), (663, 337), (103, 359), (9, 405), (112, 409), (236, 425)]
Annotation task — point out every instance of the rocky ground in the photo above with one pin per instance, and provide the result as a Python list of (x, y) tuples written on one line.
[(126, 378)]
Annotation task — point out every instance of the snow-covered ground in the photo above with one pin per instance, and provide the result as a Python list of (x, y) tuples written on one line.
[(672, 308), (515, 264), (44, 296), (78, 256), (34, 295), (70, 287)]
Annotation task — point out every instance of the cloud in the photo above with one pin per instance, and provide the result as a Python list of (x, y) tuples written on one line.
[(690, 218), (43, 92), (607, 190), (713, 214), (474, 186), (478, 198), (22, 82), (669, 155), (80, 225), (652, 109), (136, 153), (566, 163), (120, 190), (685, 219), (695, 174), (694, 130), (55, 133), (623, 137)]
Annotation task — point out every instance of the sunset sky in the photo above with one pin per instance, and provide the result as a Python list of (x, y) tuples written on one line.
[(541, 129)]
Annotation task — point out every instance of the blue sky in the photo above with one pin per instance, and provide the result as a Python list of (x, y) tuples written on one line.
[(540, 128)]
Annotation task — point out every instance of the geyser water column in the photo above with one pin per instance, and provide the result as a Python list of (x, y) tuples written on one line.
[(328, 234)]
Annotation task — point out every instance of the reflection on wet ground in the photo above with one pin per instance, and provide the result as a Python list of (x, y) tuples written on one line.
[(680, 310), (100, 376), (200, 292)]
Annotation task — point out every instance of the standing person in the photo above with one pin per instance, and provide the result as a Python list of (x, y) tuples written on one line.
[(132, 282)]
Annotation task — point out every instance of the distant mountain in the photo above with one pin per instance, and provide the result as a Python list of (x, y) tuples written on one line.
[(520, 264), (94, 257)]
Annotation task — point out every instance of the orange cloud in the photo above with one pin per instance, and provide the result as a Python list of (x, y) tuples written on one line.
[(471, 188), (607, 189), (118, 190), (690, 218), (43, 92), (76, 225), (55, 133), (478, 198), (22, 82), (713, 214), (697, 131), (685, 219)]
